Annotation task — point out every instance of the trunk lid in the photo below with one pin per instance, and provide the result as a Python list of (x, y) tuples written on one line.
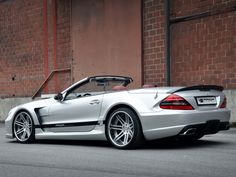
[(202, 97)]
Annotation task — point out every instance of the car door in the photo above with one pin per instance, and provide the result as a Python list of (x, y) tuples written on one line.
[(78, 111)]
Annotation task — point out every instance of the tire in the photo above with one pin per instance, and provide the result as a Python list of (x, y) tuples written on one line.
[(23, 127), (123, 129)]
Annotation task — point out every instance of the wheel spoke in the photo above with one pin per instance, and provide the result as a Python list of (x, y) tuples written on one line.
[(120, 119), (116, 127), (22, 118), (28, 123), (20, 131), (28, 132), (126, 139), (130, 133), (119, 136), (126, 119), (23, 135), (19, 123), (29, 126), (131, 125)]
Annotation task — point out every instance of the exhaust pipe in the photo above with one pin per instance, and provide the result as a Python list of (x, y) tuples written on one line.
[(190, 131), (227, 127)]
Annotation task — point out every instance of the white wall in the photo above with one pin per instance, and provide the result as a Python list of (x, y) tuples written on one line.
[(7, 103), (231, 103)]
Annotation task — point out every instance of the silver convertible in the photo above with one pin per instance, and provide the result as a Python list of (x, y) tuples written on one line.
[(102, 108)]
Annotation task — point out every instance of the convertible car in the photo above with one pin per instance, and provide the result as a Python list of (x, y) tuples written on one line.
[(103, 108)]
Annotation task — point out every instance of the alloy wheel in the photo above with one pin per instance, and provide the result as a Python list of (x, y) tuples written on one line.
[(121, 128), (23, 127)]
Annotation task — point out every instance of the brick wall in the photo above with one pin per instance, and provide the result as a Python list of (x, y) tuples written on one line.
[(203, 50), (22, 46), (154, 42), (21, 58), (63, 44)]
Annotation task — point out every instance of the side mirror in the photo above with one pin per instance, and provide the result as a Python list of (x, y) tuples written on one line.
[(58, 97)]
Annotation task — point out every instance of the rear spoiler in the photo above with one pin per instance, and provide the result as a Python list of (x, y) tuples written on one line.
[(201, 88)]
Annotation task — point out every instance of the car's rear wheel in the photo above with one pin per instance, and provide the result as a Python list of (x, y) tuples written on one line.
[(123, 129), (23, 127)]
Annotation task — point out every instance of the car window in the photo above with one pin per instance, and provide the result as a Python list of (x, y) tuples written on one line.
[(88, 89)]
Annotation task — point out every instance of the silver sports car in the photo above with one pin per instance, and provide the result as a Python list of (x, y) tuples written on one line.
[(102, 108)]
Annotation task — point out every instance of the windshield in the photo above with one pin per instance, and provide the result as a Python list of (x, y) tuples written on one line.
[(96, 85)]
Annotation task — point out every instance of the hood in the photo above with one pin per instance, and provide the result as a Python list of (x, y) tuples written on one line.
[(39, 103)]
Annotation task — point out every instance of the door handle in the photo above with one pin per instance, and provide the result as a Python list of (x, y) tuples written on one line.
[(94, 102)]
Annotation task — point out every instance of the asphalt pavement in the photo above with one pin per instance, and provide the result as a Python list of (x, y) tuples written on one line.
[(212, 156)]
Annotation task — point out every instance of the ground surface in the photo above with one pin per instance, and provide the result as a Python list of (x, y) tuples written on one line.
[(213, 155)]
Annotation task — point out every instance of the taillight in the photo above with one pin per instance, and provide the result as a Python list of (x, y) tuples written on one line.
[(223, 105), (175, 102)]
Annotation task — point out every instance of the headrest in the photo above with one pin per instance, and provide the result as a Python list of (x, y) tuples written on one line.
[(149, 85), (119, 88)]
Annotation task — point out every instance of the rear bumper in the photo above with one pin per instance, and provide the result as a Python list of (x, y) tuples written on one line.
[(167, 123), (198, 130)]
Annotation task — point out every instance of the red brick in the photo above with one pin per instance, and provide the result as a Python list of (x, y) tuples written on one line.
[(210, 45), (154, 63), (21, 45), (203, 50)]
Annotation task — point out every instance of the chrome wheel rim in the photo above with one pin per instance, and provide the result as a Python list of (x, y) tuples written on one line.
[(22, 126), (121, 128)]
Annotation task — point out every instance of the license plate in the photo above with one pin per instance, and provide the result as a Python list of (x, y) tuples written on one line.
[(210, 100)]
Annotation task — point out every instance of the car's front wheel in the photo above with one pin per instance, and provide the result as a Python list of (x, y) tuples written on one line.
[(23, 127), (123, 129)]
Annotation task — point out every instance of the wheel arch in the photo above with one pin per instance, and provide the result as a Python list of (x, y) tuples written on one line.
[(122, 105), (14, 117)]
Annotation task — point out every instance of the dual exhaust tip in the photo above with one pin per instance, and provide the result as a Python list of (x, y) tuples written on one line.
[(190, 131)]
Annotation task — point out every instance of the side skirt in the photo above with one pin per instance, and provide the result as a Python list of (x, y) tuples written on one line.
[(98, 133), (68, 127)]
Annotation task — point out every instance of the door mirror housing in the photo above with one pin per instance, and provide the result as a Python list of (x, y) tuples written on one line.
[(58, 97)]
